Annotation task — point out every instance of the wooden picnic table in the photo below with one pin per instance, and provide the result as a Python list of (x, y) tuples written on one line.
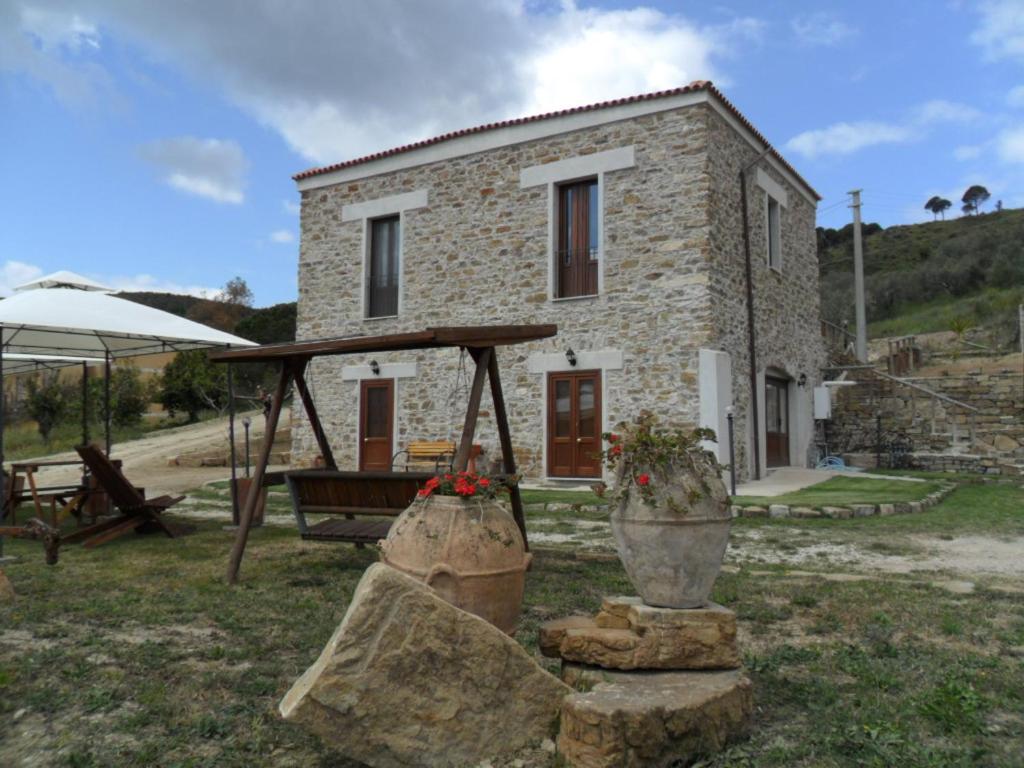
[(22, 486)]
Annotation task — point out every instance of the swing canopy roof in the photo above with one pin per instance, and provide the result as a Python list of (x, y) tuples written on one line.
[(471, 336), (84, 321)]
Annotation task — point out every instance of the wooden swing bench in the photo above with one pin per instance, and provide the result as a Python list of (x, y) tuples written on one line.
[(360, 506)]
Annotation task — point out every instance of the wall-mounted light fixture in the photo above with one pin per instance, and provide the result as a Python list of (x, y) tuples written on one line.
[(802, 380), (571, 357), (375, 368)]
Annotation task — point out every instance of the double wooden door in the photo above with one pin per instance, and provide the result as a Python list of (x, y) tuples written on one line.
[(574, 424), (376, 423)]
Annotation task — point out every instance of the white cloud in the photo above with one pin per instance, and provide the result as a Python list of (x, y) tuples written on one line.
[(210, 168), (822, 28), (14, 273), (291, 207), (151, 283), (53, 29), (1001, 30), (1010, 145), (942, 111), (846, 138), (282, 236), (967, 152), (1015, 97), (501, 59)]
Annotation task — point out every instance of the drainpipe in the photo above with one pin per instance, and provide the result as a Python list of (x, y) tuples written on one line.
[(751, 333)]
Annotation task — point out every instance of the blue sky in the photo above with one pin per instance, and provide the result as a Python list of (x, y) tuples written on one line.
[(151, 145)]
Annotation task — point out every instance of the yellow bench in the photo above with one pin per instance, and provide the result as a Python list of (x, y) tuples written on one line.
[(434, 455)]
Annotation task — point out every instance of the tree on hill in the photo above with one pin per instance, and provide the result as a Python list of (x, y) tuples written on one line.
[(224, 313), (191, 382), (938, 206), (974, 197)]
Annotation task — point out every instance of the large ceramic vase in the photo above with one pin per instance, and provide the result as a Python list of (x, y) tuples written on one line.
[(470, 551), (673, 544)]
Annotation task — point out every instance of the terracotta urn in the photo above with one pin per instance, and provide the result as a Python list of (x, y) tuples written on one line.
[(672, 542), (469, 550)]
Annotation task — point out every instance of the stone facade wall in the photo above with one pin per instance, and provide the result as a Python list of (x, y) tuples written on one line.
[(928, 423), (478, 254), (786, 302)]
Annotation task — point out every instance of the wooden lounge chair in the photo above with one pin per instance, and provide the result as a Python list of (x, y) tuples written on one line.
[(137, 512)]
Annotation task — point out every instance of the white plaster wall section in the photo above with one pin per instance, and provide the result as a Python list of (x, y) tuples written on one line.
[(556, 362), (596, 164), (715, 393)]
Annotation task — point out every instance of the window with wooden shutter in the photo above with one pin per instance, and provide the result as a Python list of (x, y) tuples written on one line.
[(577, 251)]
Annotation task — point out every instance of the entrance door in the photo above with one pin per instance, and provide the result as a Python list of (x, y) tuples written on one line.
[(574, 424), (376, 423), (776, 416)]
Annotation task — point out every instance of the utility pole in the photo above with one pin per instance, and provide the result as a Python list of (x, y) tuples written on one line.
[(858, 281)]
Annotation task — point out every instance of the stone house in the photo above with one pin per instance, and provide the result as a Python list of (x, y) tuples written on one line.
[(622, 223)]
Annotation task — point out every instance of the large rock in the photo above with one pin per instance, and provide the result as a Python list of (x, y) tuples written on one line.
[(650, 719), (652, 638), (408, 679)]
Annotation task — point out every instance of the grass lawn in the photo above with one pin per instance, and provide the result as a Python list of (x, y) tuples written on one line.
[(842, 491), (138, 654)]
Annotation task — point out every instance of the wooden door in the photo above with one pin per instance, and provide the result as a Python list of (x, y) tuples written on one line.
[(574, 424), (376, 423), (776, 415)]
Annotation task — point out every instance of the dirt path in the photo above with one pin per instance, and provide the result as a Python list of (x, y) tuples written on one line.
[(146, 459)]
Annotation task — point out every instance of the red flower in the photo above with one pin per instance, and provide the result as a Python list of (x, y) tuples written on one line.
[(615, 450), (484, 482), (423, 493), (643, 479), (613, 438)]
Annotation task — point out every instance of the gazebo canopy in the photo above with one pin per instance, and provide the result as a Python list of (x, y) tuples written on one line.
[(63, 279), (88, 322), (15, 363)]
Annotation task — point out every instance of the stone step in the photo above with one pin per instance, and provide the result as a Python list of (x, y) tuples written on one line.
[(654, 719)]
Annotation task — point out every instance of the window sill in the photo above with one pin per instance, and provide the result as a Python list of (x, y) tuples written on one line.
[(379, 317), (776, 270), (560, 299)]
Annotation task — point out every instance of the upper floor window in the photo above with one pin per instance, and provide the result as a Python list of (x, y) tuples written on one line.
[(382, 273), (774, 219), (576, 255)]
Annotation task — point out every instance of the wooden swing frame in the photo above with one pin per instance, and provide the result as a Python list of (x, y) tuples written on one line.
[(478, 341)]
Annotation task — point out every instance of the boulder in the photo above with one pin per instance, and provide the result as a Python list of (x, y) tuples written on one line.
[(650, 719), (6, 588), (408, 679), (551, 633), (754, 512), (778, 510), (656, 638)]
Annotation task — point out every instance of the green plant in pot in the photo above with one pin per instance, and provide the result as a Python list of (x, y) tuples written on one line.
[(670, 511)]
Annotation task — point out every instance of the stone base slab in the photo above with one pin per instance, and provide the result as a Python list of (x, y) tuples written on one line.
[(627, 635), (650, 719)]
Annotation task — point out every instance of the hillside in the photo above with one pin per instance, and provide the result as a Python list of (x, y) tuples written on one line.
[(264, 325), (925, 277)]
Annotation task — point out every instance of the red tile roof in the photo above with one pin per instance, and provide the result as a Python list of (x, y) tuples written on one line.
[(696, 85)]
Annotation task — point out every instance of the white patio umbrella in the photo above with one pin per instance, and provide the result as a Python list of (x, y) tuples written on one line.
[(79, 318)]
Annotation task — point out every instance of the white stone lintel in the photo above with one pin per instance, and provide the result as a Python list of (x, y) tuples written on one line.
[(387, 371), (554, 362), (577, 167), (384, 206), (773, 188)]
